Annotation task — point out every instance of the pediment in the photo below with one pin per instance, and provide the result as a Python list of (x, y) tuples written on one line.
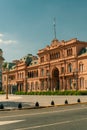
[(54, 43)]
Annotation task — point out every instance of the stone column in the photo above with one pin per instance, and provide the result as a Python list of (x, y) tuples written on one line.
[(61, 85), (65, 83)]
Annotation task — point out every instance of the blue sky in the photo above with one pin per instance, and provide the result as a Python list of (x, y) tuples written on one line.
[(27, 25)]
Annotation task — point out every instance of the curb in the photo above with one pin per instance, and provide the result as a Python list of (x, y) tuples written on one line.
[(40, 107)]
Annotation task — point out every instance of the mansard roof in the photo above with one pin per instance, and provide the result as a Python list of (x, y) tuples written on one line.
[(83, 51)]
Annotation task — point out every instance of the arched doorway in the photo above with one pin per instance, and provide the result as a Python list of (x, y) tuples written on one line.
[(55, 79)]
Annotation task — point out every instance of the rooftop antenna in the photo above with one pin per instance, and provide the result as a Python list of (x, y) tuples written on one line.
[(54, 25)]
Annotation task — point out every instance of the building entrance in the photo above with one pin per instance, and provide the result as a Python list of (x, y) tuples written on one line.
[(55, 79)]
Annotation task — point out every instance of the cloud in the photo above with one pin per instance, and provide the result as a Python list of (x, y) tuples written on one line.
[(1, 35), (5, 40)]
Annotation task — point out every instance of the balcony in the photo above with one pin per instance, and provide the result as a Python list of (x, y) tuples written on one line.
[(20, 80)]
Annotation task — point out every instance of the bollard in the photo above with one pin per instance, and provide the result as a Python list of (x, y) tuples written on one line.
[(36, 104), (52, 103), (20, 105)]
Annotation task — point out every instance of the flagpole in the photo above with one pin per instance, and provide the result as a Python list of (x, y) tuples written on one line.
[(54, 24)]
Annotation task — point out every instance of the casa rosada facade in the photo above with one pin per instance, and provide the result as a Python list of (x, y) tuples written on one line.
[(62, 65)]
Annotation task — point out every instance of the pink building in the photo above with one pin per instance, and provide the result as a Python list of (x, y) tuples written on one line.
[(62, 65)]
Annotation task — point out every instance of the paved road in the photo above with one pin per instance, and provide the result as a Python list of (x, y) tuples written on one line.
[(73, 117)]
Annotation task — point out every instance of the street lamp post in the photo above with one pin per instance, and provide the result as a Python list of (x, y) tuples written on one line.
[(75, 74), (26, 83), (48, 80)]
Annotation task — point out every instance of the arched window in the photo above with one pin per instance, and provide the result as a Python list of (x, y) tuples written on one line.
[(37, 73), (58, 54), (54, 55), (22, 75), (32, 85), (56, 73), (42, 72), (81, 67), (69, 67), (69, 52), (51, 56), (42, 59), (70, 82), (28, 74), (81, 82), (28, 85), (36, 85), (18, 75), (32, 74), (42, 84)]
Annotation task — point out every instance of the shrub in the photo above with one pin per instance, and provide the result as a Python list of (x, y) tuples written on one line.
[(2, 92), (77, 93), (20, 105), (66, 101), (83, 92), (37, 104), (52, 103), (57, 92), (1, 106)]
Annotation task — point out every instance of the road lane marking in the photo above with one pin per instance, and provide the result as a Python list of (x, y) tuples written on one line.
[(9, 122), (52, 124), (42, 113), (40, 126)]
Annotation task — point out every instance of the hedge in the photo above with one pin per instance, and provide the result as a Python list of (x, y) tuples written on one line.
[(53, 93), (2, 92)]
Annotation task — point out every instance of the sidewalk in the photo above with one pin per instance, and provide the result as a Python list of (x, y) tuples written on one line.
[(30, 100)]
